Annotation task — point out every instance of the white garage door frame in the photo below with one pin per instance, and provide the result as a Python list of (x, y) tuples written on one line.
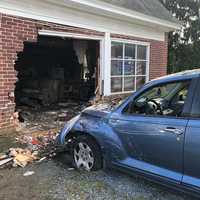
[(105, 51)]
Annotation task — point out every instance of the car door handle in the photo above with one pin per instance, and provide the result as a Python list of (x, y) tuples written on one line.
[(174, 130)]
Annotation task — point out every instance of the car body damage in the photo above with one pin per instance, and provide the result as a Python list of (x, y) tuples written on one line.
[(152, 132), (94, 121)]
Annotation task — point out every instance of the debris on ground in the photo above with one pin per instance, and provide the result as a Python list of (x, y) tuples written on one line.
[(22, 156), (38, 129), (38, 146), (3, 156), (42, 159), (71, 169), (5, 161), (31, 119), (29, 173), (46, 118)]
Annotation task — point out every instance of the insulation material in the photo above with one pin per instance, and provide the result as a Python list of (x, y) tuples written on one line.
[(80, 48)]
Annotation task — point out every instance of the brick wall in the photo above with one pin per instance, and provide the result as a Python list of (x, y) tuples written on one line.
[(14, 31), (158, 55)]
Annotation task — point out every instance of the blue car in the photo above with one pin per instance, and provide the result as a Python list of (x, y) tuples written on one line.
[(155, 133)]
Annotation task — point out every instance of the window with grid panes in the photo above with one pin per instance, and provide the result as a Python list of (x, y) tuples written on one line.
[(128, 66)]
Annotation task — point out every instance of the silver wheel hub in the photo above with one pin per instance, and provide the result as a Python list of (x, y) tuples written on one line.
[(83, 156)]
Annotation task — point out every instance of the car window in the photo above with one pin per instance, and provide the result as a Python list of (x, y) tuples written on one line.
[(166, 100)]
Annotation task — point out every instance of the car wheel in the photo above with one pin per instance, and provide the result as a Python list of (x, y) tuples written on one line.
[(86, 154)]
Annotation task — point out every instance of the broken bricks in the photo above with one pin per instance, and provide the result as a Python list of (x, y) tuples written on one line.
[(40, 144), (39, 147), (21, 157), (17, 157), (48, 117)]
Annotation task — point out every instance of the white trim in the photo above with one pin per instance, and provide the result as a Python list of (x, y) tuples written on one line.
[(147, 76), (107, 64), (69, 35), (148, 64), (84, 37), (136, 55), (29, 15), (130, 59), (123, 68), (75, 14), (123, 12), (101, 71), (128, 41), (118, 93), (128, 76), (105, 57)]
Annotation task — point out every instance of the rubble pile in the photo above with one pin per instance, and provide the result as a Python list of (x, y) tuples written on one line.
[(46, 118), (38, 130), (30, 119), (38, 147)]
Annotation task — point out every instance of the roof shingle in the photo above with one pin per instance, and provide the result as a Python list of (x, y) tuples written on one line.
[(148, 7)]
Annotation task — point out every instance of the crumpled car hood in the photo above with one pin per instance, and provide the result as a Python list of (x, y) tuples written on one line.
[(88, 119), (100, 110)]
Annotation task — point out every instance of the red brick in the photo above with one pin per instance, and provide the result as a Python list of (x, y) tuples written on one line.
[(15, 31)]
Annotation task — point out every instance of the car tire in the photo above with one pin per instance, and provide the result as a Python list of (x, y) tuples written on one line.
[(86, 154)]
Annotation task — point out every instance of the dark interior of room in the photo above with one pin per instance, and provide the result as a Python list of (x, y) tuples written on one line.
[(55, 70)]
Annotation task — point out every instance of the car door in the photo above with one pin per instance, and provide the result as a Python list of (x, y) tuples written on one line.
[(192, 145), (154, 143)]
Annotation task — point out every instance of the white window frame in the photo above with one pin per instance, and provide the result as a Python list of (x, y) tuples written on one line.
[(103, 45), (133, 42)]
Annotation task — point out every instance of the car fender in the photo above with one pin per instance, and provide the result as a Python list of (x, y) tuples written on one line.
[(100, 130)]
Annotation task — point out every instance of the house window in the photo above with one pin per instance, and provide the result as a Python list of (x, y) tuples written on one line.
[(128, 66)]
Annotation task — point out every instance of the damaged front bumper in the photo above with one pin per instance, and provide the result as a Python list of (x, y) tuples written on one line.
[(65, 131)]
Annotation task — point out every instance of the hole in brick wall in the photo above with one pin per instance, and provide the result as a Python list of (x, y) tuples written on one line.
[(56, 78)]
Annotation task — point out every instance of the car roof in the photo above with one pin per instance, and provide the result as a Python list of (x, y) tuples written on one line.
[(184, 75), (189, 74)]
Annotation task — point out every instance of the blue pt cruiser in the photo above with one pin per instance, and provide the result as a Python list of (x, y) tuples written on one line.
[(155, 133)]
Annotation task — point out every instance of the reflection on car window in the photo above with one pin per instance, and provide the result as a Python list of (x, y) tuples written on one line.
[(160, 92), (167, 99)]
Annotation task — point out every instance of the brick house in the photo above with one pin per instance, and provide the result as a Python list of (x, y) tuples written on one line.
[(126, 42)]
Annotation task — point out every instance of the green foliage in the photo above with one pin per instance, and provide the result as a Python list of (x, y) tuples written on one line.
[(184, 44)]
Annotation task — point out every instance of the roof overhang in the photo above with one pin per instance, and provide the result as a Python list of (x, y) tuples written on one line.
[(108, 10), (94, 15)]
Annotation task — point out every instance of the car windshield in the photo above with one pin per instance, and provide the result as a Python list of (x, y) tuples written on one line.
[(166, 99), (160, 92)]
